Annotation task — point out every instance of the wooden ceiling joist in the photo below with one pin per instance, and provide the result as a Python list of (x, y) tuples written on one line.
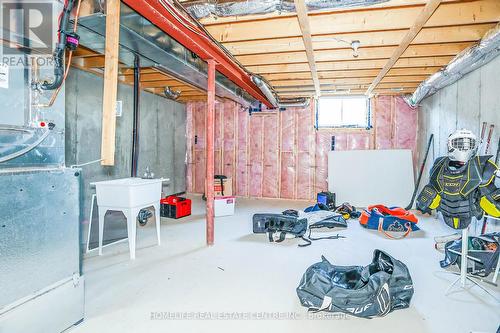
[(423, 17), (351, 65), (358, 20), (152, 80), (383, 52), (365, 80), (305, 28), (409, 71), (431, 35)]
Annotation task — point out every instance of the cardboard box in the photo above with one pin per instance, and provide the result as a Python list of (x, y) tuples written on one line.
[(228, 187), (224, 206)]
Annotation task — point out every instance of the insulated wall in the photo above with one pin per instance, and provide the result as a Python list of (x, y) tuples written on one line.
[(281, 154)]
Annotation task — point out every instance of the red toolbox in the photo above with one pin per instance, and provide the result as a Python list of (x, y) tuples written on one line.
[(175, 207)]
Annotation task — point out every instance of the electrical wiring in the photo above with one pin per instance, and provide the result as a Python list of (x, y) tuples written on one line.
[(68, 64)]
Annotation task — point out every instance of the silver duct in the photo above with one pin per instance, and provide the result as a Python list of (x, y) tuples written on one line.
[(288, 103), (171, 94), (295, 103), (265, 90), (466, 61), (221, 8)]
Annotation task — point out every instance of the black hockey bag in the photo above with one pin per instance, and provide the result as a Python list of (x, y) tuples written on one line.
[(278, 226), (367, 292)]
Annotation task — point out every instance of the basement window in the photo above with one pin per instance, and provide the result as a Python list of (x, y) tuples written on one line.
[(343, 111)]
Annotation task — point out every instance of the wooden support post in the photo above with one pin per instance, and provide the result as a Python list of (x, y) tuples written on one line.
[(210, 131), (110, 82), (419, 23)]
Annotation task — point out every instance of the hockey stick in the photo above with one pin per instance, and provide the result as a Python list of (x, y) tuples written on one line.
[(488, 141), (498, 152), (497, 156), (431, 138), (483, 132)]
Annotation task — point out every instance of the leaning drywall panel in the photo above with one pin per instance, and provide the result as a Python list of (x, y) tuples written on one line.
[(368, 177)]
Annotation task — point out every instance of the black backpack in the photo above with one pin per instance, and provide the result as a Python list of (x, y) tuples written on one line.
[(371, 291), (280, 225)]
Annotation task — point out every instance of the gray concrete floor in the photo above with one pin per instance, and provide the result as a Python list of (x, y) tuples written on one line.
[(244, 275)]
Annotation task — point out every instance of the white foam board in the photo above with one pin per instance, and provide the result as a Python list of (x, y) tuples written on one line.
[(369, 177)]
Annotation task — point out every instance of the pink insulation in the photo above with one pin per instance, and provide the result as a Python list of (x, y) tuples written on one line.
[(287, 130), (287, 175), (219, 124), (304, 176), (305, 152), (281, 154), (358, 141), (323, 140), (382, 119), (189, 151), (406, 125), (256, 153), (228, 144), (199, 147), (270, 185), (242, 154)]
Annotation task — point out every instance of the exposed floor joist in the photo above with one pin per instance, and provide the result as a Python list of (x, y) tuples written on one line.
[(357, 20), (151, 79), (432, 35), (305, 28), (421, 20), (272, 45)]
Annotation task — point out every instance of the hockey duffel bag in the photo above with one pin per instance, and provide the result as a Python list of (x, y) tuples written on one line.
[(279, 226), (367, 292), (394, 219)]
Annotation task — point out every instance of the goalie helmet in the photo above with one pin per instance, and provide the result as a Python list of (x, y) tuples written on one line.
[(462, 145)]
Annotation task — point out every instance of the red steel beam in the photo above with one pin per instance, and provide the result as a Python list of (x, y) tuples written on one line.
[(210, 150), (196, 40)]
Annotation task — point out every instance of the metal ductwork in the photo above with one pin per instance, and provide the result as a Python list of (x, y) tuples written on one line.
[(265, 90), (223, 8), (156, 49), (171, 94), (277, 103), (295, 103), (465, 62)]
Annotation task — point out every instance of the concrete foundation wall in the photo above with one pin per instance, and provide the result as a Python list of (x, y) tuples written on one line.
[(162, 135), (467, 103)]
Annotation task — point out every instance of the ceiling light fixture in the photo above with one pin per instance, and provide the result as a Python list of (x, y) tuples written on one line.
[(355, 44)]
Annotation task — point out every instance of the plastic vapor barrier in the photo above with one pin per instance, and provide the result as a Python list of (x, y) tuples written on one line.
[(251, 7), (466, 61)]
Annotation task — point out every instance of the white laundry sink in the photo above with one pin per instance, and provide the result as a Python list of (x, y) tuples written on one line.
[(128, 192)]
